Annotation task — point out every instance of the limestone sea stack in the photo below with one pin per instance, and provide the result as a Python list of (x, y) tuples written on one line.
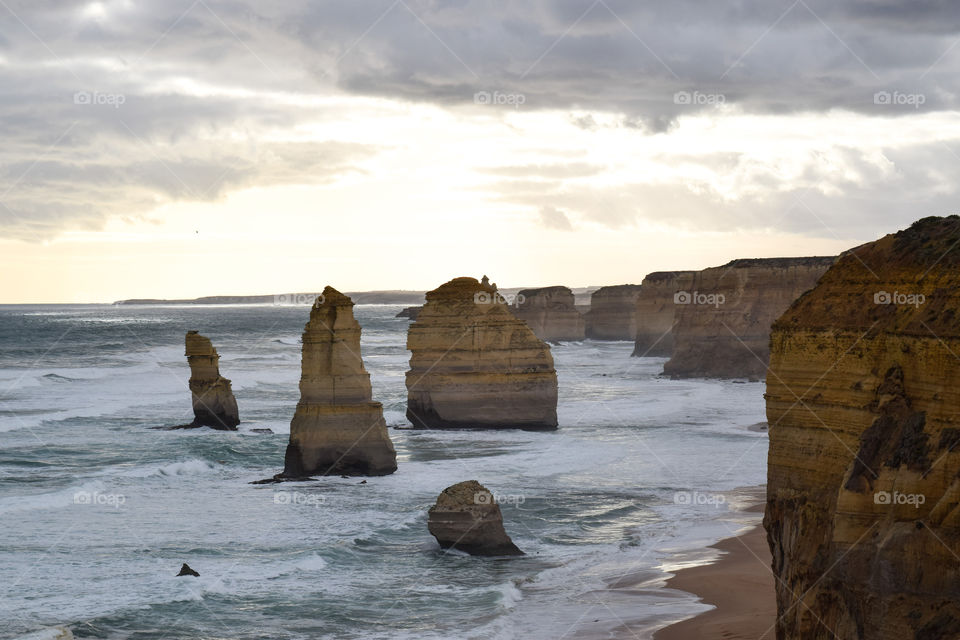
[(863, 493), (474, 365), (337, 428), (213, 402), (466, 517), (655, 311), (722, 323), (551, 313), (613, 313)]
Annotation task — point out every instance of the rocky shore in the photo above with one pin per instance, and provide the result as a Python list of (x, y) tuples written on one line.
[(862, 510)]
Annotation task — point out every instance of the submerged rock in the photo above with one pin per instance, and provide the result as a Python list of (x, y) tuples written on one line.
[(185, 570), (213, 402), (337, 428), (722, 322), (613, 313), (551, 313), (474, 365), (863, 493), (466, 517)]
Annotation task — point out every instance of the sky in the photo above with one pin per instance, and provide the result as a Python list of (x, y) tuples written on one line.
[(181, 148)]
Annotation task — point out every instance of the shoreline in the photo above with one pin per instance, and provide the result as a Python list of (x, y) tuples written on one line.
[(739, 585)]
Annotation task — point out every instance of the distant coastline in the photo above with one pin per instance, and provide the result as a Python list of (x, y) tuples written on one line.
[(387, 296)]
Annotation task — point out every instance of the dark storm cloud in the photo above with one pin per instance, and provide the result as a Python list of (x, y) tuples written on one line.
[(69, 162)]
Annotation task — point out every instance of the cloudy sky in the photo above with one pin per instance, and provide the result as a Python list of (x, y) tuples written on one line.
[(179, 148)]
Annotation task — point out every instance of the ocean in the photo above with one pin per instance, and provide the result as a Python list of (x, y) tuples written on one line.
[(99, 511)]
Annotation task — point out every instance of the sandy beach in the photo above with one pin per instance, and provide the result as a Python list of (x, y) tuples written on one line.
[(740, 587)]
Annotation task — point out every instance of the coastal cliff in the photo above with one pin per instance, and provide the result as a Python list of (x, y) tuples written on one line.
[(337, 428), (214, 404), (473, 364), (551, 313), (655, 311), (613, 313), (863, 493), (722, 323)]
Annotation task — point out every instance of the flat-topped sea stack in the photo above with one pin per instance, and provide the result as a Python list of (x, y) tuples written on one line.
[(337, 428), (551, 313), (213, 402), (467, 518), (722, 323), (655, 311), (474, 365), (863, 401), (613, 313)]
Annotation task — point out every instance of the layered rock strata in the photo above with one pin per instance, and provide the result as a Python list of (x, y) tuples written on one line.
[(550, 312), (863, 493), (655, 311), (337, 428), (613, 313), (466, 517), (474, 365), (213, 402), (722, 323)]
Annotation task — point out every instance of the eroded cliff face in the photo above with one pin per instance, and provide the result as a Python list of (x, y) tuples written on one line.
[(474, 365), (551, 313), (613, 313), (337, 428), (214, 404), (863, 493), (722, 323), (655, 311)]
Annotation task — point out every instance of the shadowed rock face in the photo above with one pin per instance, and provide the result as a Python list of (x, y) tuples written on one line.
[(551, 314), (213, 402), (467, 518), (863, 493), (474, 365), (409, 312), (337, 428), (722, 323), (655, 311), (613, 313)]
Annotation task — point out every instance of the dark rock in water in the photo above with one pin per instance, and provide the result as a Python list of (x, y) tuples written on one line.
[(261, 430), (213, 402), (185, 570), (409, 312), (466, 518)]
